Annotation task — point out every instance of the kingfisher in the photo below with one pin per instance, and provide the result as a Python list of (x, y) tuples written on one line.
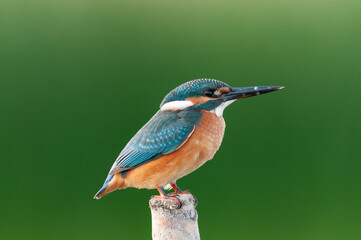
[(184, 134)]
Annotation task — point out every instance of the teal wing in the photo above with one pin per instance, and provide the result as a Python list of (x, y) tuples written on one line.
[(163, 134)]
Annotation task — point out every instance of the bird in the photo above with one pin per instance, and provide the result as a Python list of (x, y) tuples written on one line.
[(184, 134)]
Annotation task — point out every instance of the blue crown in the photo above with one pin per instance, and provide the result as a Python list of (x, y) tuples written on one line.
[(192, 89)]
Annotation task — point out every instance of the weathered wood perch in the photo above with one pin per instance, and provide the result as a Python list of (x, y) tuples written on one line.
[(170, 223)]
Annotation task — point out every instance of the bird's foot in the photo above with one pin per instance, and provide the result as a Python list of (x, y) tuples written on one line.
[(184, 192), (177, 200), (179, 192)]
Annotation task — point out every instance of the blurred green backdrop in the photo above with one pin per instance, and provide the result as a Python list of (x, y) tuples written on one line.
[(79, 78)]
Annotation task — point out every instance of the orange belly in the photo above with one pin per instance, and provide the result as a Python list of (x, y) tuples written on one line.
[(199, 148)]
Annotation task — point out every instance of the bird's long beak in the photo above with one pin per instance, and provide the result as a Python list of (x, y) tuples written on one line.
[(245, 92)]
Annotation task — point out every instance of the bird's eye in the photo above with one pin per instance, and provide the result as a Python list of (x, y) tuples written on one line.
[(208, 93)]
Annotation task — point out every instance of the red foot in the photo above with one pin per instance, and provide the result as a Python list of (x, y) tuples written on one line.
[(179, 192), (177, 200)]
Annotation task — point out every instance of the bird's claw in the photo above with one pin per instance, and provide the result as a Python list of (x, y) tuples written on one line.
[(185, 192), (173, 198), (179, 192)]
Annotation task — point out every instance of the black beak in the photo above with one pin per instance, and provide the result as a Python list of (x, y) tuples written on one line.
[(245, 92)]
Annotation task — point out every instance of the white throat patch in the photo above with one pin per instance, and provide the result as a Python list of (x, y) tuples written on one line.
[(219, 110), (176, 105)]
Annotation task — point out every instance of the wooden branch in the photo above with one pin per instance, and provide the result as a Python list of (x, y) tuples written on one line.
[(170, 223)]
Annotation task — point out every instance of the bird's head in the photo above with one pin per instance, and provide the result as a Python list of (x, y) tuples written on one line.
[(209, 94)]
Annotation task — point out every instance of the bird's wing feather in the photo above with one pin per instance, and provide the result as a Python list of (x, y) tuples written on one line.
[(163, 134)]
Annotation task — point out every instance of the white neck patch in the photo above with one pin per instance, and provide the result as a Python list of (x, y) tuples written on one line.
[(219, 110), (176, 105)]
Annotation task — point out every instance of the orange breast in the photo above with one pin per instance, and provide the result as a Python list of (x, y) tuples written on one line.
[(199, 148)]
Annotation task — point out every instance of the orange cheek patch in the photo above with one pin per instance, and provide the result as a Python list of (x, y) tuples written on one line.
[(224, 90), (199, 100)]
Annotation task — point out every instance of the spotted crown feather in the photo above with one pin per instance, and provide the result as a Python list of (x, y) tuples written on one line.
[(192, 89)]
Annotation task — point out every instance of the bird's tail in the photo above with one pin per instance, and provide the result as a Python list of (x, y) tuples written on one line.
[(112, 183)]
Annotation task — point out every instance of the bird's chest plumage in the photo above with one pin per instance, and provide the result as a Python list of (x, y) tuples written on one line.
[(207, 136), (200, 147)]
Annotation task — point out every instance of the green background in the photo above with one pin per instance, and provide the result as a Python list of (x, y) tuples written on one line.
[(79, 78)]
